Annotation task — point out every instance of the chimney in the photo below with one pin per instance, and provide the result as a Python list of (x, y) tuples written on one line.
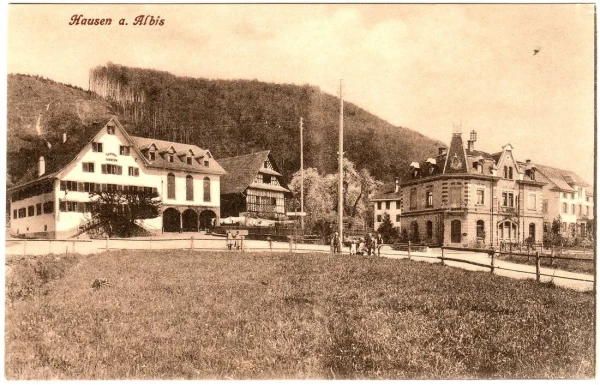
[(472, 140), (42, 166), (64, 137), (397, 185)]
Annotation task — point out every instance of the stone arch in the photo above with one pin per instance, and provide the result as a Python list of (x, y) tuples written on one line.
[(171, 220), (189, 220), (207, 219)]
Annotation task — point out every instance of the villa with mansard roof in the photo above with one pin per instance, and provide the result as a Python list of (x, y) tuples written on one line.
[(467, 197), (52, 199)]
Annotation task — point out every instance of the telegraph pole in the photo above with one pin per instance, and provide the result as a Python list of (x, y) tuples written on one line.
[(341, 173), (301, 177)]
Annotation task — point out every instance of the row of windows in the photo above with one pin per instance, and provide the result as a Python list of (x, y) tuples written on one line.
[(170, 157), (68, 185), (189, 188), (38, 209), (388, 205), (565, 209), (31, 191), (380, 218), (110, 169)]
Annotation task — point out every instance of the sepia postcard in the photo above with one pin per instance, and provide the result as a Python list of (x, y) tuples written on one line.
[(300, 192)]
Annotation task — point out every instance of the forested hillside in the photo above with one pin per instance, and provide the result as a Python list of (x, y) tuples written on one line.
[(229, 117)]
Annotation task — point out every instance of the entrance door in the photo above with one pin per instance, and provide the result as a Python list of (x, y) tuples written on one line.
[(190, 220), (455, 231)]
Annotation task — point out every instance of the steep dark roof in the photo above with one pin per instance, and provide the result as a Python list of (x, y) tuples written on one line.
[(242, 170), (387, 192), (456, 163)]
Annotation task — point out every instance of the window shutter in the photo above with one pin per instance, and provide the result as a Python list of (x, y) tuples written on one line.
[(119, 170), (104, 169), (80, 186), (62, 206)]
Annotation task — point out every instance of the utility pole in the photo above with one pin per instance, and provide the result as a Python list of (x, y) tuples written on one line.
[(301, 177), (341, 173)]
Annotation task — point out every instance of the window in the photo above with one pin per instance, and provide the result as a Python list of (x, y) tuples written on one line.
[(152, 155), (206, 188), (266, 164), (68, 206), (30, 211), (112, 169), (545, 206), (38, 209), (206, 163), (564, 209), (398, 205), (480, 196), (429, 198), (572, 195), (580, 210), (397, 217), (266, 179), (413, 199), (378, 205), (15, 214), (387, 205), (22, 212), (455, 192), (510, 173), (124, 150), (532, 201), (189, 188), (532, 231), (508, 199), (96, 147), (134, 171), (429, 228), (480, 229), (89, 187), (455, 231), (88, 167), (171, 186), (189, 160), (171, 158), (505, 172), (110, 130), (379, 218), (572, 208), (48, 207)]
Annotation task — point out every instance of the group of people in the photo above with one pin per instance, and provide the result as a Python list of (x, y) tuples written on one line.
[(234, 241), (370, 245)]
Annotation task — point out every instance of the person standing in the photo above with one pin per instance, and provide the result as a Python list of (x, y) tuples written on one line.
[(335, 241), (229, 239), (236, 245), (369, 244), (379, 244)]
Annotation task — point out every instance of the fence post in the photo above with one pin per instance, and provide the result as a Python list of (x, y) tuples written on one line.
[(552, 256), (24, 247), (492, 262), (510, 249), (443, 264), (107, 242), (50, 246), (409, 250), (73, 248), (537, 266), (192, 242)]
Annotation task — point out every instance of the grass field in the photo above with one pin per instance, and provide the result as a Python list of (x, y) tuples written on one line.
[(177, 314)]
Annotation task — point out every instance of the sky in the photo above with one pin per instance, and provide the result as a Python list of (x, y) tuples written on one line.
[(431, 68)]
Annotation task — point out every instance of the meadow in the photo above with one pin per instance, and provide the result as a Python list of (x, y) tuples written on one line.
[(218, 315)]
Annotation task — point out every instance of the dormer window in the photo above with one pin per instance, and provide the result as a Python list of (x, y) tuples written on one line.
[(266, 164), (206, 163), (152, 155), (110, 130), (171, 158), (189, 160)]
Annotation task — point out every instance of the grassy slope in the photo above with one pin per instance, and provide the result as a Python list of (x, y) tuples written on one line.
[(238, 315)]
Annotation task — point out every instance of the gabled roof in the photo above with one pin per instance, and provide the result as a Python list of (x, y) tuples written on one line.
[(59, 155), (562, 179), (242, 170)]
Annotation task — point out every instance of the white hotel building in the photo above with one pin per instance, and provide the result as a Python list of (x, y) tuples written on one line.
[(52, 199)]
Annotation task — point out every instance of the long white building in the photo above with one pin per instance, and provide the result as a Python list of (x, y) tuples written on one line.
[(52, 200)]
